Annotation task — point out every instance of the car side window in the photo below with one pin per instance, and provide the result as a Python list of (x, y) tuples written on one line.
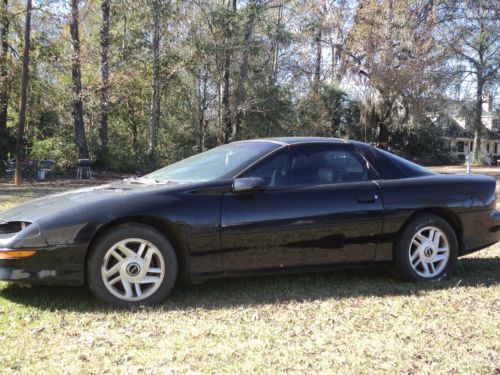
[(273, 169), (326, 164), (310, 165)]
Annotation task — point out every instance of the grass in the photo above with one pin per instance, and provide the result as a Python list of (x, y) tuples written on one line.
[(336, 322)]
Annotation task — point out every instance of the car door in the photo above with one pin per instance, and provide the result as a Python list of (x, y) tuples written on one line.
[(319, 207)]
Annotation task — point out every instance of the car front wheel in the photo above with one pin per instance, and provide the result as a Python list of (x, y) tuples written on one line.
[(426, 249), (130, 265)]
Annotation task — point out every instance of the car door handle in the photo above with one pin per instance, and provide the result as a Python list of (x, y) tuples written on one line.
[(367, 198)]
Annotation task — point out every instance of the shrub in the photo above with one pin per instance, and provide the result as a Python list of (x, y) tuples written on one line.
[(54, 148)]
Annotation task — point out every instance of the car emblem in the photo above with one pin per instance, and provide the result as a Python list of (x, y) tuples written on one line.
[(133, 269)]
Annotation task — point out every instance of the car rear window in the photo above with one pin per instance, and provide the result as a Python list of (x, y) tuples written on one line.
[(408, 168), (390, 166)]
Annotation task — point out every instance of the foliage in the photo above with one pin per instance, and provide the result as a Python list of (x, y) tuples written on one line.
[(368, 70), (481, 159), (472, 34), (424, 143), (395, 49), (54, 148)]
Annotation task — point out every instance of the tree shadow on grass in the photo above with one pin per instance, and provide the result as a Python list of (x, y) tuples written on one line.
[(226, 293)]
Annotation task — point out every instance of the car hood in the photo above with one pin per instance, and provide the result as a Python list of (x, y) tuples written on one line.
[(76, 202), (52, 204)]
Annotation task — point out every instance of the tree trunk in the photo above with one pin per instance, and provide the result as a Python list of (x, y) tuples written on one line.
[(23, 96), (203, 106), (104, 77), (385, 117), (76, 75), (317, 65), (273, 78), (240, 96), (383, 134), (132, 121), (338, 67), (4, 78), (133, 129), (276, 47), (226, 110), (333, 47), (155, 84), (478, 115), (220, 128)]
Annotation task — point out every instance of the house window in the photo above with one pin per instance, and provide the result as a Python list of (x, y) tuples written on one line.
[(496, 148), (495, 126), (487, 147), (460, 147)]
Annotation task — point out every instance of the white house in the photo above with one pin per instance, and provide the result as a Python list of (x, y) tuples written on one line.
[(461, 138)]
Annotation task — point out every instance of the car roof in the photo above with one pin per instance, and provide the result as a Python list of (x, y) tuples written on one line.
[(294, 140)]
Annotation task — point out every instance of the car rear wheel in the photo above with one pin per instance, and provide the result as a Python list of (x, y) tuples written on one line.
[(130, 265), (426, 249)]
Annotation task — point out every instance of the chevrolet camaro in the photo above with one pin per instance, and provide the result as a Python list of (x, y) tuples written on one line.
[(251, 207)]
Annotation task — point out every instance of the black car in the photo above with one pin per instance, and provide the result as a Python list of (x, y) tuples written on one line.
[(251, 207)]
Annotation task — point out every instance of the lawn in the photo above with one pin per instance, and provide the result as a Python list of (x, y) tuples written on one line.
[(336, 322)]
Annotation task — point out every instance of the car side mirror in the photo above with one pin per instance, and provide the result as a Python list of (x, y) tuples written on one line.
[(248, 184)]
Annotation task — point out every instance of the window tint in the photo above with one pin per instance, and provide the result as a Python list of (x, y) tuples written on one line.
[(407, 167), (272, 169), (309, 165), (390, 166), (383, 166)]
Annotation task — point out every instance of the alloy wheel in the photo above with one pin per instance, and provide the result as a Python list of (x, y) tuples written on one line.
[(133, 269), (429, 252)]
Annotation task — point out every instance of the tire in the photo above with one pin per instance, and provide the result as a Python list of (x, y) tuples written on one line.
[(426, 249), (132, 265)]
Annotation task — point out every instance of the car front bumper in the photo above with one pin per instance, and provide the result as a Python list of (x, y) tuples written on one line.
[(60, 265)]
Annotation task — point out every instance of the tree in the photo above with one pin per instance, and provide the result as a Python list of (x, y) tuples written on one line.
[(104, 77), (4, 75), (23, 95), (273, 77), (150, 82), (318, 43), (155, 84), (337, 25), (76, 75), (474, 45), (202, 106), (227, 116), (393, 46), (240, 94)]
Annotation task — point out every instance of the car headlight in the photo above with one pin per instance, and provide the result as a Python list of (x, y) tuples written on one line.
[(17, 231), (13, 226)]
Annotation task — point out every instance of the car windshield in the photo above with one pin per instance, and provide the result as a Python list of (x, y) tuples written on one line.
[(223, 161)]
